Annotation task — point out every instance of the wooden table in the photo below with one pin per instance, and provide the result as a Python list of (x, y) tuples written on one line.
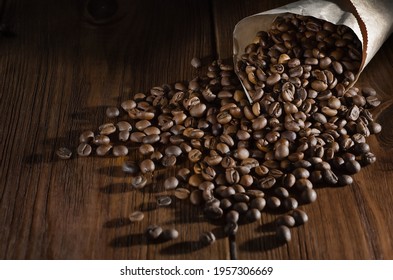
[(63, 68)]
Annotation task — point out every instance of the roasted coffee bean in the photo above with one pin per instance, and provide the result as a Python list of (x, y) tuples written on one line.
[(130, 166), (301, 173), (112, 112), (120, 151), (300, 217), (124, 126), (107, 128), (84, 149), (136, 216), (368, 158), (290, 203), (87, 136), (258, 203), (308, 196), (164, 201), (128, 104), (156, 156), (329, 177), (196, 62), (267, 182), (240, 207), (147, 166), (213, 212), (232, 216), (64, 153), (283, 234), (207, 238), (102, 150), (303, 184), (154, 231), (273, 202), (170, 234), (231, 228), (352, 166), (171, 183), (168, 160), (344, 180), (138, 182), (182, 193), (285, 220), (253, 215)]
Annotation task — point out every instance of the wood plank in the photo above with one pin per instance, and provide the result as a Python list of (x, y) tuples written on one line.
[(354, 222), (58, 74)]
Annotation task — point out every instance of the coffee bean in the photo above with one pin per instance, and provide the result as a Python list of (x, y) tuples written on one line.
[(290, 203), (253, 215), (171, 183), (112, 112), (147, 166), (196, 62), (182, 193), (154, 231), (300, 217), (84, 149), (283, 234), (120, 151), (329, 177), (136, 216), (352, 166), (267, 182), (207, 238), (170, 234), (213, 212), (308, 196), (285, 220), (231, 228), (273, 202), (130, 166), (164, 200), (344, 180), (102, 150), (232, 216), (86, 136), (107, 128), (64, 153), (138, 182)]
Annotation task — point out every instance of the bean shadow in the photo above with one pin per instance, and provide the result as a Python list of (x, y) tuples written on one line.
[(261, 244), (117, 188), (117, 223)]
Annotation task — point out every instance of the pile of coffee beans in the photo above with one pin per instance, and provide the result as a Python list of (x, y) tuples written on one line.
[(306, 126)]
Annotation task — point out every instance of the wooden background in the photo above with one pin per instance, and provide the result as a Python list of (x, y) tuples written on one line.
[(59, 72)]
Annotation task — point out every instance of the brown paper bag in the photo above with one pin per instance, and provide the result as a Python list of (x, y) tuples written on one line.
[(371, 21)]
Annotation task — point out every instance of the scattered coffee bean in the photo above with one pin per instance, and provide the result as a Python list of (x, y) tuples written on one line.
[(207, 238), (84, 149), (300, 217), (136, 216), (196, 62), (112, 112), (164, 201), (64, 153), (154, 231), (171, 183), (283, 234), (305, 127), (170, 234), (182, 193)]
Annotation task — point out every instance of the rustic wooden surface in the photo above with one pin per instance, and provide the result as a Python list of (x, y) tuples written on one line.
[(62, 68)]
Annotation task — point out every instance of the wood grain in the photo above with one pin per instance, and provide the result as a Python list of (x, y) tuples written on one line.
[(59, 73)]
